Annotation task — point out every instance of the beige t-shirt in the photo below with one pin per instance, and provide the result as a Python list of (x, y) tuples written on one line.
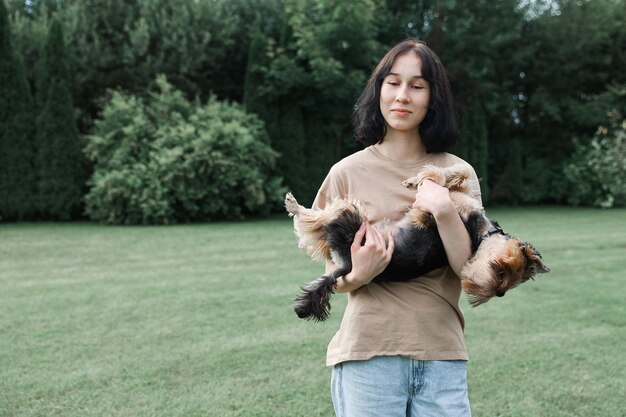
[(421, 318)]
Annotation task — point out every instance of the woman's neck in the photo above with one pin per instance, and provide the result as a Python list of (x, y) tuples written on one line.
[(402, 147)]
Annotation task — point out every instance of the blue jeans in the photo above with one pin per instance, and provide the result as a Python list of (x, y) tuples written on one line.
[(395, 386)]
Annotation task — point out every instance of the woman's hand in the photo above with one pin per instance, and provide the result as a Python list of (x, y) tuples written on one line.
[(435, 199), (370, 256)]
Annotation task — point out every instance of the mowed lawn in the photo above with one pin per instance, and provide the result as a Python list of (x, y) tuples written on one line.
[(196, 320)]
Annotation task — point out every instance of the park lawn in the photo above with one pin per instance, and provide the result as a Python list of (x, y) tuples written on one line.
[(196, 320)]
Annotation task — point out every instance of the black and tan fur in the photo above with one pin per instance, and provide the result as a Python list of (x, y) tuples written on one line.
[(499, 262)]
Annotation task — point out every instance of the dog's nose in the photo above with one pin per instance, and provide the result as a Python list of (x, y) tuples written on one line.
[(500, 293)]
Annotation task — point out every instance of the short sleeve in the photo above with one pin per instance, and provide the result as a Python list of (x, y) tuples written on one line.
[(474, 187), (331, 189)]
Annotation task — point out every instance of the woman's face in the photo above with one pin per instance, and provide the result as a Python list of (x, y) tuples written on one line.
[(404, 94)]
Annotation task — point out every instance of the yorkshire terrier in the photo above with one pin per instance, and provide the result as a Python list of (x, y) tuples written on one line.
[(499, 261)]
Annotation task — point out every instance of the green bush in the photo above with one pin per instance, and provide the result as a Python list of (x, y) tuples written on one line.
[(596, 170), (167, 159)]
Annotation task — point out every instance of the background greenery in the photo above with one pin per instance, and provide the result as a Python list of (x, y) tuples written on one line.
[(197, 321), (534, 80)]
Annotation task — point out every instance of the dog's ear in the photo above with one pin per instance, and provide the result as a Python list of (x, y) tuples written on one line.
[(476, 294), (534, 263)]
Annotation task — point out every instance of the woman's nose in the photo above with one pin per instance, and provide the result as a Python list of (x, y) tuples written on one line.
[(402, 96)]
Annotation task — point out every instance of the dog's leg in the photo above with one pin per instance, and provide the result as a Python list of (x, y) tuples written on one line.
[(291, 204), (313, 303), (430, 172), (465, 205), (455, 177), (309, 227)]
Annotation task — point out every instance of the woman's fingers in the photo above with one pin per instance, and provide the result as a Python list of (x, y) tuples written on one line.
[(374, 239), (381, 240), (359, 235), (390, 245)]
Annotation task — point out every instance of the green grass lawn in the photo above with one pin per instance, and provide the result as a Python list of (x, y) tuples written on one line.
[(196, 320)]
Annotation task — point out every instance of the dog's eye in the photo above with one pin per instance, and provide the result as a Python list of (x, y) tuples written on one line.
[(501, 275)]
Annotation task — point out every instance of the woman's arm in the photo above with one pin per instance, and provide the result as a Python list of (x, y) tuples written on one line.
[(435, 199)]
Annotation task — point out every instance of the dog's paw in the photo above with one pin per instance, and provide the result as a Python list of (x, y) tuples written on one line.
[(457, 177), (411, 183), (291, 204), (430, 172)]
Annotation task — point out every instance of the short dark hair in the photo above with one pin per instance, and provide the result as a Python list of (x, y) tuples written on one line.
[(438, 130)]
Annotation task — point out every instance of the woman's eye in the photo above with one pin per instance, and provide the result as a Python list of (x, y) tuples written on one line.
[(418, 87)]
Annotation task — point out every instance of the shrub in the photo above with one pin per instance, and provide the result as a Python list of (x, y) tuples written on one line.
[(595, 171), (166, 159)]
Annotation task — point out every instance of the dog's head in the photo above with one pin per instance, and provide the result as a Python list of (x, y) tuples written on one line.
[(500, 264)]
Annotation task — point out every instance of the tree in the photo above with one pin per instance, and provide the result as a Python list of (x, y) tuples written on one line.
[(126, 43), (595, 172), (60, 160), (510, 187), (17, 179), (559, 85), (473, 145), (537, 74), (312, 69), (282, 115)]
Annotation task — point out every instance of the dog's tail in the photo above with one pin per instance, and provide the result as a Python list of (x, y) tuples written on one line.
[(313, 303)]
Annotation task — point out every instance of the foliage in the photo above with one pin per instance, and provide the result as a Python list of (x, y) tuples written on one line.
[(125, 44), (473, 146), (167, 159), (17, 179), (535, 75), (60, 167), (566, 73), (308, 79), (536, 72), (596, 169), (510, 187)]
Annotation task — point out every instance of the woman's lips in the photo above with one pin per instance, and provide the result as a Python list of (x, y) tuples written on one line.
[(401, 112)]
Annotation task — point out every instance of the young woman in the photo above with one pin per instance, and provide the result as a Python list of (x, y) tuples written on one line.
[(400, 350)]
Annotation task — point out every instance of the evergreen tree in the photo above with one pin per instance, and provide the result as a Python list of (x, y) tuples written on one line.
[(257, 60), (282, 115), (17, 180), (510, 186), (474, 146), (60, 158), (319, 64)]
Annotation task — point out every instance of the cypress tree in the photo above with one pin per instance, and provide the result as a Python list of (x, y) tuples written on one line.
[(480, 149), (509, 187), (474, 147), (252, 99), (515, 171), (282, 116), (60, 158), (290, 143), (17, 179)]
